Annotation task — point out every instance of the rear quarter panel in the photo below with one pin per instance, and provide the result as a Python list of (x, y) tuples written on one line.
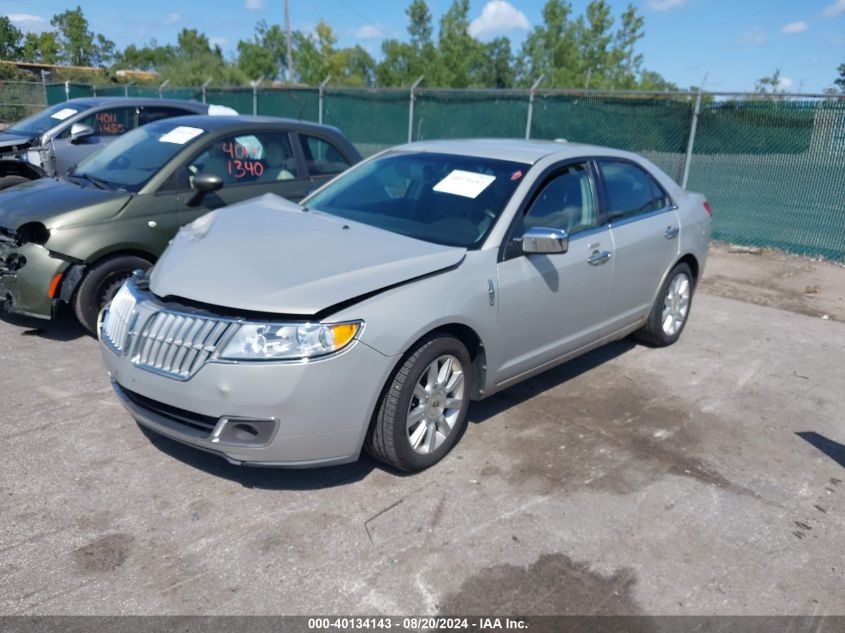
[(696, 225)]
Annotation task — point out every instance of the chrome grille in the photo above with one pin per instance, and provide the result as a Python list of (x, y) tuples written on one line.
[(178, 345), (118, 319)]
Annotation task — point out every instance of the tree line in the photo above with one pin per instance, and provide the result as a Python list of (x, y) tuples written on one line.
[(595, 49)]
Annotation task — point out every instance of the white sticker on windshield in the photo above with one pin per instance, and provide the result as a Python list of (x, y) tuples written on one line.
[(64, 113), (181, 135), (464, 183)]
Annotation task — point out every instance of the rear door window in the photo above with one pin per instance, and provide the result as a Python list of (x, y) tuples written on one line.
[(631, 191), (321, 157), (148, 114)]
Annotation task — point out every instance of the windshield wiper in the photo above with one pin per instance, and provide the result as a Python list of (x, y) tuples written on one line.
[(97, 182)]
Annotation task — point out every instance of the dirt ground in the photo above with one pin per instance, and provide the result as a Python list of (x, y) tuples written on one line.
[(704, 478)]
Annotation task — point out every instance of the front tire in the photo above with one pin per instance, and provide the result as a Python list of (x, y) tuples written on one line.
[(423, 411), (100, 285), (670, 311)]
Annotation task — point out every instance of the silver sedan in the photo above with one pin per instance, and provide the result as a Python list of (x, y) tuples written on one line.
[(370, 316)]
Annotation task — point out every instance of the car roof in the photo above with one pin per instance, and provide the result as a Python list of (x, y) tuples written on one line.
[(518, 150), (94, 102), (220, 122)]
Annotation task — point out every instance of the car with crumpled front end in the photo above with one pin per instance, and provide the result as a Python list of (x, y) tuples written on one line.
[(425, 277), (50, 142), (73, 240)]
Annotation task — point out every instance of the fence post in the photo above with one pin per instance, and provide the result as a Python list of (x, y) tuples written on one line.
[(126, 88), (205, 90), (255, 94), (530, 117), (93, 90), (67, 90), (320, 99), (161, 88), (44, 74), (691, 141), (411, 108)]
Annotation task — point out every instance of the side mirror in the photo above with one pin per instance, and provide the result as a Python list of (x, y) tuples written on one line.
[(79, 131), (543, 240), (204, 183)]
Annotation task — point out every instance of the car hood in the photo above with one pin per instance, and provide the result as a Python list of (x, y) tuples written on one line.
[(57, 203), (269, 255), (7, 141)]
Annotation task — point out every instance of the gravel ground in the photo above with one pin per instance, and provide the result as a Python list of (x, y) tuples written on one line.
[(706, 478)]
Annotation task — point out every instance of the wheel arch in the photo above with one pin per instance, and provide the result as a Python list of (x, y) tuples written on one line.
[(473, 343), (20, 168), (690, 260), (76, 272)]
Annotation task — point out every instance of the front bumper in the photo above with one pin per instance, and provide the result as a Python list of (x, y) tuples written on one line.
[(291, 414), (25, 288)]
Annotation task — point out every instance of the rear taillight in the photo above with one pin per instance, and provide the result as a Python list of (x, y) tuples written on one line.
[(708, 208)]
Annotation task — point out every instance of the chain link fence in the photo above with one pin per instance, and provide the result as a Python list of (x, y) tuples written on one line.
[(19, 99), (773, 167)]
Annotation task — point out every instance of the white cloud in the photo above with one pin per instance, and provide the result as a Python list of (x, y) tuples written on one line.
[(28, 22), (755, 37), (369, 32), (785, 83), (218, 41), (254, 5), (497, 17), (831, 11), (795, 27), (173, 18), (665, 5)]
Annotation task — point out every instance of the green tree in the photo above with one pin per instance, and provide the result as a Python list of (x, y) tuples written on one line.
[(194, 60), (148, 57), (840, 82), (10, 39), (625, 61), (43, 48), (594, 39), (498, 70), (551, 49), (460, 59), (78, 45), (770, 84), (265, 54), (403, 62)]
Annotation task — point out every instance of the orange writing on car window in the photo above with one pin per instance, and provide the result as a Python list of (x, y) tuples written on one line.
[(243, 168), (108, 124)]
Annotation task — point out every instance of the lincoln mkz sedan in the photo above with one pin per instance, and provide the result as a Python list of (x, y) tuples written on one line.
[(371, 315), (76, 239)]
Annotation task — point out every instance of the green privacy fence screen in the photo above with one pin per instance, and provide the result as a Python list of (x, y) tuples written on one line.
[(772, 167)]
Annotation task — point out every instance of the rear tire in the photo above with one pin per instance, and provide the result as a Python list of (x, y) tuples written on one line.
[(11, 181), (670, 311), (99, 286), (423, 411)]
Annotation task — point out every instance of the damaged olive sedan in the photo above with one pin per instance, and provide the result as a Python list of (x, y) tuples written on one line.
[(428, 276), (76, 239)]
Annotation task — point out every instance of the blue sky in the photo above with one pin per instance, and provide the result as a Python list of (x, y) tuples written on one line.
[(732, 42)]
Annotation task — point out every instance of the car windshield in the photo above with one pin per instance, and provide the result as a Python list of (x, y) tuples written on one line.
[(40, 122), (135, 157), (441, 198)]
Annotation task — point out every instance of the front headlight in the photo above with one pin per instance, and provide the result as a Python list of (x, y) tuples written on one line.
[(289, 341)]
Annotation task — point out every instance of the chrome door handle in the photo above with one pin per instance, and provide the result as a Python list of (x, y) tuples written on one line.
[(671, 232), (599, 257)]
